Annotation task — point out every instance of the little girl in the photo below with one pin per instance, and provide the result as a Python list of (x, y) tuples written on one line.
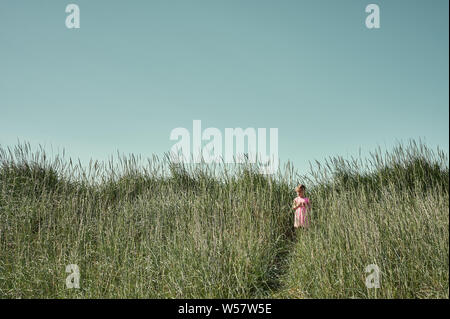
[(301, 206)]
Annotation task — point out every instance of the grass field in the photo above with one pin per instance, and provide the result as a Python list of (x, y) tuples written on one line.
[(160, 230)]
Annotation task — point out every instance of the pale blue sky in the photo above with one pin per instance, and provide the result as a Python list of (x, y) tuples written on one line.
[(138, 69)]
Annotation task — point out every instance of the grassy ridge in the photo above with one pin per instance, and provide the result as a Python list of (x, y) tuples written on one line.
[(395, 215), (163, 230)]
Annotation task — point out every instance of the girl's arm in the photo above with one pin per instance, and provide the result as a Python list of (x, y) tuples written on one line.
[(295, 206)]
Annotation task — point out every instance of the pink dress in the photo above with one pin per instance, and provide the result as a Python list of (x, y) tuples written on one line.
[(301, 213)]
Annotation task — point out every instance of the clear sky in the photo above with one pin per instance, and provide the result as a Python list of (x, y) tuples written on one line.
[(135, 70)]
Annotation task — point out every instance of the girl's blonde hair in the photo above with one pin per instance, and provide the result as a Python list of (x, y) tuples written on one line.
[(300, 187)]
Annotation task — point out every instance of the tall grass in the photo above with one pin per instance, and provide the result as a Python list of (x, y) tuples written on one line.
[(164, 230), (392, 211)]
